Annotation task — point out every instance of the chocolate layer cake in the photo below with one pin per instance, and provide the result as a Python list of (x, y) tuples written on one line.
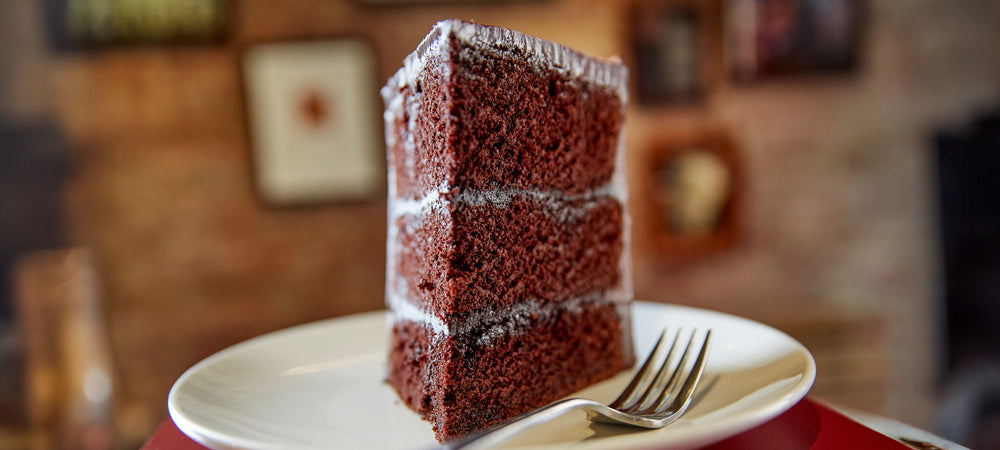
[(507, 268)]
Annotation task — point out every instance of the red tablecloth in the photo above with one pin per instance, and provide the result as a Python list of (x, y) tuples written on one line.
[(807, 425)]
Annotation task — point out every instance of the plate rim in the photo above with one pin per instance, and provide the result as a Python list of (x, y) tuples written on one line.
[(734, 425), (207, 436)]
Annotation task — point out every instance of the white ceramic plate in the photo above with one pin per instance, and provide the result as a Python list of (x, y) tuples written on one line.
[(321, 385)]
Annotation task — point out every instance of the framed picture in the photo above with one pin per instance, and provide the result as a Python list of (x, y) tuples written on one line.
[(767, 38), (674, 46), (313, 121), (692, 193), (95, 24)]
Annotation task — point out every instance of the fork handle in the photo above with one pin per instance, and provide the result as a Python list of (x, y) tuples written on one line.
[(520, 423)]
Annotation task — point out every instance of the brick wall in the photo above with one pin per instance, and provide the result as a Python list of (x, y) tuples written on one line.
[(836, 211)]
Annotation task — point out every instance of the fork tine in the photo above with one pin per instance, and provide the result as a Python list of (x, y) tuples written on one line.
[(661, 386), (684, 396), (640, 377), (642, 400)]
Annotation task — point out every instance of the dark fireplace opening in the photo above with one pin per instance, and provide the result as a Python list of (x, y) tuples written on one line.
[(968, 165)]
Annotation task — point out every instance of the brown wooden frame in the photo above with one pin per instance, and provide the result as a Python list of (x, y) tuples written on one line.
[(669, 245)]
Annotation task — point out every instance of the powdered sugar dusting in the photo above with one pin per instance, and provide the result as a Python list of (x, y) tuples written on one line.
[(502, 197), (496, 323)]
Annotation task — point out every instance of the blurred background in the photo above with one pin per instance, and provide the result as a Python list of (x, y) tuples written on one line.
[(178, 176)]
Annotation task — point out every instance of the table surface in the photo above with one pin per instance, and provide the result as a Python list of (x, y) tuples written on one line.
[(807, 425)]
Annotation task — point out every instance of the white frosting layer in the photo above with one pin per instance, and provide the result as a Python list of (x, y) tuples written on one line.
[(402, 207), (517, 316), (404, 310), (501, 198)]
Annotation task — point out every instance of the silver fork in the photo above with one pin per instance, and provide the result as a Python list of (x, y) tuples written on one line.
[(643, 403)]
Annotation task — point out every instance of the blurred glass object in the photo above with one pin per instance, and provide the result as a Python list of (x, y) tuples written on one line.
[(34, 165), (68, 369)]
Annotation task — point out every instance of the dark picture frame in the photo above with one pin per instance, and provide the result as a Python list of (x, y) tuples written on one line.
[(776, 38), (88, 25), (676, 51)]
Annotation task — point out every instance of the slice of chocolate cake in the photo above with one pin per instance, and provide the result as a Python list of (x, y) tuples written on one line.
[(508, 267)]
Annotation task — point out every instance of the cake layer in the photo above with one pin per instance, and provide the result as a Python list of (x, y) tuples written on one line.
[(409, 363), (464, 383), (465, 254), (499, 115)]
